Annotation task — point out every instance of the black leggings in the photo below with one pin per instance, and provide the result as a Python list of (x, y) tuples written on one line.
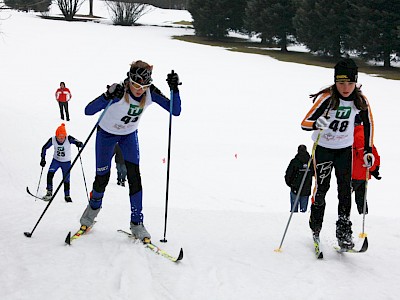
[(324, 160), (64, 106)]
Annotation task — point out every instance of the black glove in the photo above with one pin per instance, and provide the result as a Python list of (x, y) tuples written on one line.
[(375, 173), (42, 162), (114, 91), (79, 144), (173, 81)]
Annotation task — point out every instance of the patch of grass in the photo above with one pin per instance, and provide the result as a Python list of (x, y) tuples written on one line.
[(77, 18), (183, 23), (245, 46)]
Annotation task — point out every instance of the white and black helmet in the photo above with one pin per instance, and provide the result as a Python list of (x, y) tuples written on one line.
[(140, 75)]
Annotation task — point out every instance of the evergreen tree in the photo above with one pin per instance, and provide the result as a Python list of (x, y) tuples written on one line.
[(209, 18), (235, 11), (272, 20), (214, 18), (324, 25), (377, 29)]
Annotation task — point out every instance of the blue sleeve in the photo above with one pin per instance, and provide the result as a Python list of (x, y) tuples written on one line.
[(73, 140), (45, 147), (97, 105), (163, 101)]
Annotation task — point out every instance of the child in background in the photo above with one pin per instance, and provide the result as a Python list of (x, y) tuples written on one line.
[(61, 159), (294, 176), (63, 95)]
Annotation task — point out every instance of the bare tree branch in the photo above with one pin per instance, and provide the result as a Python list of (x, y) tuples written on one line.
[(69, 8), (126, 13)]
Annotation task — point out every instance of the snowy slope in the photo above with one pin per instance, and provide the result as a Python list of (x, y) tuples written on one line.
[(239, 128)]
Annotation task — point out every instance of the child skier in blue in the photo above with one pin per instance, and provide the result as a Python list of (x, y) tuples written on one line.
[(119, 125), (61, 159)]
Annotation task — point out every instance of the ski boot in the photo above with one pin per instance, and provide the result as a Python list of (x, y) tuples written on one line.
[(68, 199), (139, 231), (48, 195), (315, 234), (89, 215), (344, 233)]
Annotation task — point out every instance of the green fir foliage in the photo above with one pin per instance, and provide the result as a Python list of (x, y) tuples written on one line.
[(377, 30), (271, 20), (214, 18), (324, 26)]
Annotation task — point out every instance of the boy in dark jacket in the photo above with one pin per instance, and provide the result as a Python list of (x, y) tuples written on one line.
[(293, 177)]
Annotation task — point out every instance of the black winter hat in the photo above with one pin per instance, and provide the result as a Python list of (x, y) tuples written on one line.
[(346, 70), (302, 148)]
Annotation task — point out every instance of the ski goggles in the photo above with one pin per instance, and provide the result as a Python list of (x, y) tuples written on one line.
[(138, 86)]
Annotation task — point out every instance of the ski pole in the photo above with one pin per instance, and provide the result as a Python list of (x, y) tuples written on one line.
[(279, 249), (40, 178), (363, 234), (171, 101), (84, 179), (29, 234), (168, 165)]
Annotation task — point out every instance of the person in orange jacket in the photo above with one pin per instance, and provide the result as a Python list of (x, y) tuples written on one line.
[(359, 174)]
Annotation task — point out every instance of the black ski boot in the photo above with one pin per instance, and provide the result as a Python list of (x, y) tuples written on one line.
[(48, 195), (344, 233)]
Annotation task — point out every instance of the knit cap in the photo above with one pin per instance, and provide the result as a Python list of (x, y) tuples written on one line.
[(302, 148), (61, 132), (346, 70)]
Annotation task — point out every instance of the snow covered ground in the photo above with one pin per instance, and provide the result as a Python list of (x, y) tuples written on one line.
[(239, 128)]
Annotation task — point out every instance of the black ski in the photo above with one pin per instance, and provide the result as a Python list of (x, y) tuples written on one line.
[(148, 244), (34, 196), (363, 248), (317, 248)]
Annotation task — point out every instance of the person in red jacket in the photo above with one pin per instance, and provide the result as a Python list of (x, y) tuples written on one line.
[(63, 95), (359, 174)]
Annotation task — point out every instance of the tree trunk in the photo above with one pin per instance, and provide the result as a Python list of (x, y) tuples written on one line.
[(386, 59), (91, 8), (283, 43)]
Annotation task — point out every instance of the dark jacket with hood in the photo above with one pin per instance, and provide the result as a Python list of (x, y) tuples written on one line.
[(295, 172)]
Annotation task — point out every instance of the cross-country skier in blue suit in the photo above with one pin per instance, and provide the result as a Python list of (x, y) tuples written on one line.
[(61, 159), (119, 125)]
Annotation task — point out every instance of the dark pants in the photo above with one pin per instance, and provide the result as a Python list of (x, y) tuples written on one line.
[(64, 106), (54, 166), (302, 201), (324, 160), (121, 172), (359, 191), (105, 144)]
